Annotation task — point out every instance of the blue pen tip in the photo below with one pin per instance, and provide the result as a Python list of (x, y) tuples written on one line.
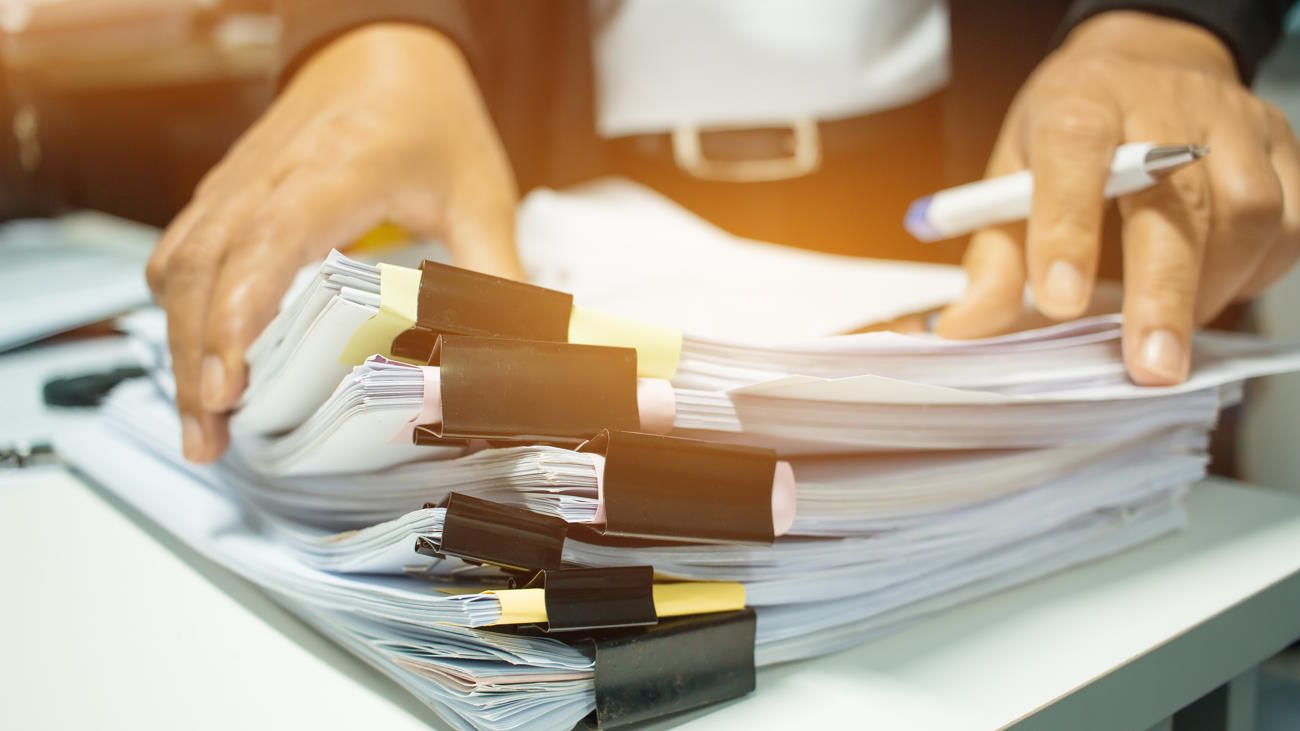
[(917, 220)]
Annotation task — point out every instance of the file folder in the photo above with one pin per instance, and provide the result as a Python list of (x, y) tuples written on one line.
[(375, 615), (525, 390), (455, 301), (483, 532), (591, 598), (671, 667), (670, 488), (571, 599), (652, 487), (654, 490)]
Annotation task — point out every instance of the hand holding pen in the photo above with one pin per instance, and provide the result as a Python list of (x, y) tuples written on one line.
[(1202, 236)]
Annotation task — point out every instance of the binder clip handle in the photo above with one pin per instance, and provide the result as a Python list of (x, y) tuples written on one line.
[(481, 531), (597, 598), (679, 664)]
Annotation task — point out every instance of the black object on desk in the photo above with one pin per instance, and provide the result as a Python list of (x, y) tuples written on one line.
[(89, 389)]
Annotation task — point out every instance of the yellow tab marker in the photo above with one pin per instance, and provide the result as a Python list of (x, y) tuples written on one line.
[(528, 606), (399, 296), (521, 606), (658, 349), (383, 236), (698, 597)]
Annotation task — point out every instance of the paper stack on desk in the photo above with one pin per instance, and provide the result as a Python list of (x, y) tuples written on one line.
[(550, 509)]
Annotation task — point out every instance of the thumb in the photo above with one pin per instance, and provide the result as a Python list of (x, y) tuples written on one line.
[(484, 240)]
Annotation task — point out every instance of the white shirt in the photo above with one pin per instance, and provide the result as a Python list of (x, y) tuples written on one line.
[(660, 64)]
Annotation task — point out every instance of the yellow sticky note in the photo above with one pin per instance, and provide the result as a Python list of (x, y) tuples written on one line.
[(698, 597), (521, 606), (383, 236), (399, 296), (657, 348), (528, 606)]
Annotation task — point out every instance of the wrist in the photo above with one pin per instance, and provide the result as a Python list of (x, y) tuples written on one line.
[(388, 56), (1145, 37)]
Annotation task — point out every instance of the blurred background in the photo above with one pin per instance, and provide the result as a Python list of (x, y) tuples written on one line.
[(1268, 438), (121, 106)]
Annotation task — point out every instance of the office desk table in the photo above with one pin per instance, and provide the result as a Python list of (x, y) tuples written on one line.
[(108, 622)]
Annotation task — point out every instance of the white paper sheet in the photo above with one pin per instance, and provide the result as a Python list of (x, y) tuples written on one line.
[(621, 247)]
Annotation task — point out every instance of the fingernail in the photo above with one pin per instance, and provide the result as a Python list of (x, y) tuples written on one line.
[(1162, 355), (1064, 284), (212, 384), (191, 438)]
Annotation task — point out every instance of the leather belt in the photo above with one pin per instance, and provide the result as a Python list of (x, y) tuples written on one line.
[(747, 154)]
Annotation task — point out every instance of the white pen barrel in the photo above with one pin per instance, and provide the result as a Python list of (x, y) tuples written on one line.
[(1128, 170), (965, 208), (968, 207)]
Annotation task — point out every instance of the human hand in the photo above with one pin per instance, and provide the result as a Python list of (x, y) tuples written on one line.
[(385, 124), (1209, 234)]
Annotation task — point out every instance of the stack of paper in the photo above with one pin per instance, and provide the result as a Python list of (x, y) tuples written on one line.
[(803, 396), (360, 426), (812, 596), (835, 496), (296, 362), (910, 474)]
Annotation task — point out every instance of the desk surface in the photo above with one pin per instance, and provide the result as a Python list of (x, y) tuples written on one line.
[(23, 375), (109, 622)]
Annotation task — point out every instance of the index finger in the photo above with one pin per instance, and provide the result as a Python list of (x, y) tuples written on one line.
[(190, 273), (1071, 144), (1165, 230)]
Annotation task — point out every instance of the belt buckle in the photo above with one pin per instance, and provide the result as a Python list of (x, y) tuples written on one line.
[(804, 156)]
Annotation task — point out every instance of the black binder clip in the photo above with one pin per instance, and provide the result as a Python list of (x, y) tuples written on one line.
[(674, 666), (483, 532), (461, 302), (668, 488), (531, 390), (597, 598), (89, 389), (426, 435)]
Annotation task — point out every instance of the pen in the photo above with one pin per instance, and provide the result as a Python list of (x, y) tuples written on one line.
[(961, 210)]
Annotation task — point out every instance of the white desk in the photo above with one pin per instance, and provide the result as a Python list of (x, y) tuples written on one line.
[(107, 622), (23, 374), (110, 623), (1118, 644)]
